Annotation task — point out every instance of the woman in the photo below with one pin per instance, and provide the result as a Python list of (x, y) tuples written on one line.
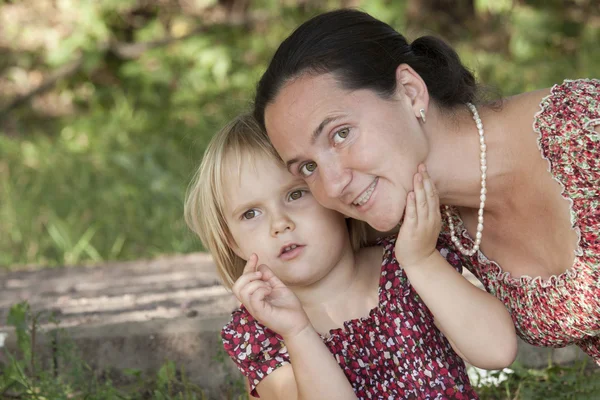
[(354, 109)]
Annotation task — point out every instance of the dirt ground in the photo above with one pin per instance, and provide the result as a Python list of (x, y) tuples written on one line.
[(167, 287)]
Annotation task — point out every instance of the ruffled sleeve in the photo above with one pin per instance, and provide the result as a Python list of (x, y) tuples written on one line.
[(568, 140), (256, 350), (570, 107)]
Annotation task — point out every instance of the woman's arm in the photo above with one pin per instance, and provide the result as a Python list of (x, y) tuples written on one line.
[(477, 324)]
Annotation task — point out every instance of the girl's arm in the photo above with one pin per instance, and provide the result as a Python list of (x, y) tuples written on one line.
[(477, 325), (315, 373)]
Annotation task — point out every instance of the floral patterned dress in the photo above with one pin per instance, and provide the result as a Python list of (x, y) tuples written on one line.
[(395, 352), (564, 309)]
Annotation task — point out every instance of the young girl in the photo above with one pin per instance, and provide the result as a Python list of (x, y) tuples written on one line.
[(320, 319)]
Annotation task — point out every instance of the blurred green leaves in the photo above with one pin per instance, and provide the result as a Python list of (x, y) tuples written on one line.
[(97, 167)]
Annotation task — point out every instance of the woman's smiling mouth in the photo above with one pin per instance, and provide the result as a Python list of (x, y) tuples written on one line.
[(366, 195)]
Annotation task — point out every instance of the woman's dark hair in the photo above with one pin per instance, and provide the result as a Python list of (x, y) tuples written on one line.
[(363, 53)]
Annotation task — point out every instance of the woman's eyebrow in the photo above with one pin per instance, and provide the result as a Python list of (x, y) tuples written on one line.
[(314, 137), (317, 132), (289, 164)]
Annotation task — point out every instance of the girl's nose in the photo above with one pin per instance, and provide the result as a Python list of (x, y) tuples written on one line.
[(280, 224)]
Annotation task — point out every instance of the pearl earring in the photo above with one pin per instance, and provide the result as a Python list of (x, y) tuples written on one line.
[(422, 112)]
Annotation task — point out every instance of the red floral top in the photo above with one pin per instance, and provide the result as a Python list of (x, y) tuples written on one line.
[(395, 352), (564, 309)]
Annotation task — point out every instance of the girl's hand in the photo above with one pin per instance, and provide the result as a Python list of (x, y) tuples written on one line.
[(422, 222), (268, 299)]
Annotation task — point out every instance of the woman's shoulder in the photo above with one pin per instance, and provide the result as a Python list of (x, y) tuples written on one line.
[(576, 101), (569, 99), (568, 87), (519, 109), (577, 87), (570, 104)]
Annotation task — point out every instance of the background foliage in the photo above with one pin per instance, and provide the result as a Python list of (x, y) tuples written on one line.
[(106, 106)]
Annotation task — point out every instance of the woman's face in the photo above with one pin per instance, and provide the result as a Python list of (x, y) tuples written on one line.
[(357, 152)]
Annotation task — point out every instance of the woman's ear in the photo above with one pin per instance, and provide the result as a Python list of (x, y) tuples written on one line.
[(410, 83)]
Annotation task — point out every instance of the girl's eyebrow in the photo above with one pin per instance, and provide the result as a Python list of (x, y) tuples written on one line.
[(242, 207), (294, 182)]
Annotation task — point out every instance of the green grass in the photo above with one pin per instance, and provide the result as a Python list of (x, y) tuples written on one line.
[(61, 373), (577, 382), (29, 373)]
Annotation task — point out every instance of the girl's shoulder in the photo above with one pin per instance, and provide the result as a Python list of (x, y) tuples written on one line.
[(369, 261), (255, 349), (371, 254), (383, 264), (379, 253)]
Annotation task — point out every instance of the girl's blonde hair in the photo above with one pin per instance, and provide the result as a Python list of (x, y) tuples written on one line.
[(205, 198)]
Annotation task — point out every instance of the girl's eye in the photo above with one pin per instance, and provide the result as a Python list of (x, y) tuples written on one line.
[(307, 169), (340, 135), (296, 194), (250, 214)]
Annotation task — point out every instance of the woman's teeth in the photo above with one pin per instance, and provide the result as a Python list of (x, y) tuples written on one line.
[(366, 195)]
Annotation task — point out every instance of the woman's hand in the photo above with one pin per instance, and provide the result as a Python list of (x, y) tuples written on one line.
[(269, 300), (422, 222)]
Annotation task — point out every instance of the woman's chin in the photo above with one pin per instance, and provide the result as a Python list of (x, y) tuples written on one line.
[(386, 215), (386, 224)]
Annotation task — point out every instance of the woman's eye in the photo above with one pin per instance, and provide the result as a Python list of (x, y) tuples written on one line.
[(340, 135), (296, 194), (250, 214), (307, 169)]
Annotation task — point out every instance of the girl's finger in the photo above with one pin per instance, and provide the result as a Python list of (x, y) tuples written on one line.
[(258, 298), (248, 290), (269, 276), (251, 263), (243, 281), (430, 192), (420, 198), (410, 214)]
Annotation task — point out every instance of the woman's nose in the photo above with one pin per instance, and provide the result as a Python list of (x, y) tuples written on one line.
[(335, 178)]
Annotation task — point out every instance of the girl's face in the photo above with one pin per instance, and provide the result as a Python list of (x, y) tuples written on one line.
[(357, 152), (273, 214)]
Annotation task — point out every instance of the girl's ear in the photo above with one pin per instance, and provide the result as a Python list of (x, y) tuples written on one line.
[(410, 84)]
